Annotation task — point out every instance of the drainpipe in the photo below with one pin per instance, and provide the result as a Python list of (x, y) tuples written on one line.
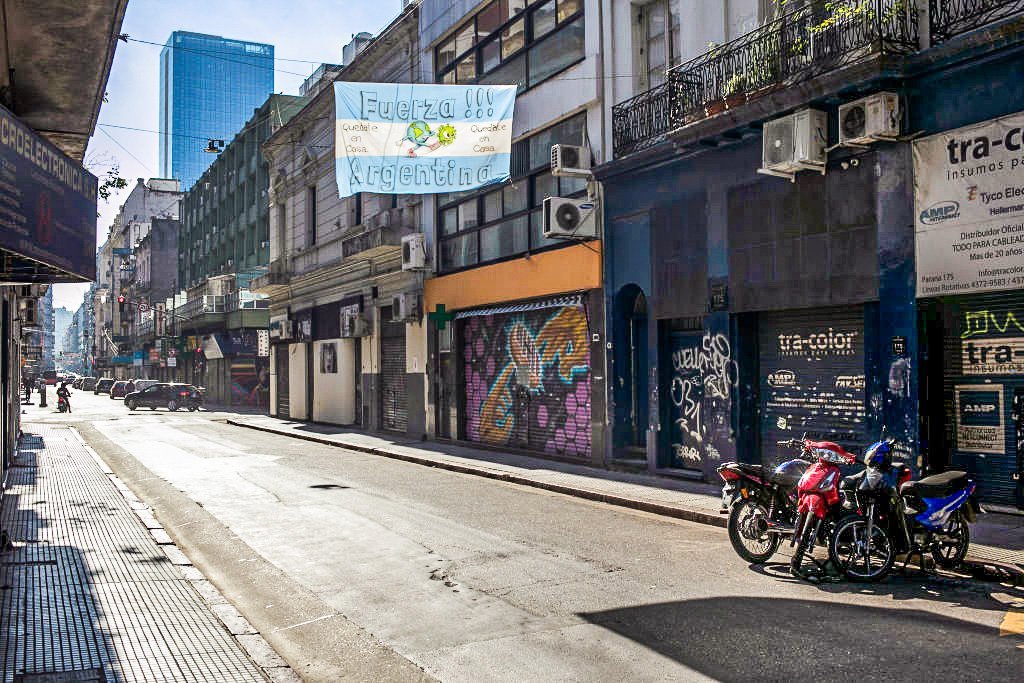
[(924, 24)]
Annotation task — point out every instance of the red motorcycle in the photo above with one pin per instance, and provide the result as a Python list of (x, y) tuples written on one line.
[(818, 507)]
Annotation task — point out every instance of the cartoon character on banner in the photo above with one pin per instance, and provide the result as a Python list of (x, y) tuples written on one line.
[(420, 139)]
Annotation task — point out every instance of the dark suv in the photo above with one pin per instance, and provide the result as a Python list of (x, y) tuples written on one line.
[(170, 396), (103, 386)]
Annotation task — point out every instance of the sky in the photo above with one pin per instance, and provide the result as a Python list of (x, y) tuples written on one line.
[(310, 30)]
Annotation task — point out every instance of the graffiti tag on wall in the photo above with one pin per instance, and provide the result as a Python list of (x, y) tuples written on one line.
[(528, 380), (704, 377)]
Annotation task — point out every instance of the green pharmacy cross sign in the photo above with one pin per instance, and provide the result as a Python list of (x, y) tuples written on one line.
[(440, 316)]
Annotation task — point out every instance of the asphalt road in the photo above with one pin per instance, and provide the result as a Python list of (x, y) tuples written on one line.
[(357, 566)]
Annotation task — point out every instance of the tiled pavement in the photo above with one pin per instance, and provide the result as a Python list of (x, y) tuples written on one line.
[(997, 538), (85, 587)]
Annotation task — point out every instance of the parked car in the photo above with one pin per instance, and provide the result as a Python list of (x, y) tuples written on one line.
[(141, 384), (122, 388), (170, 396), (88, 383), (103, 385), (77, 383)]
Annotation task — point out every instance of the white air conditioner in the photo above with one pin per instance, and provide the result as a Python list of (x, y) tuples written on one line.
[(405, 307), (354, 325), (795, 143), (414, 252), (869, 119), (570, 218), (570, 160)]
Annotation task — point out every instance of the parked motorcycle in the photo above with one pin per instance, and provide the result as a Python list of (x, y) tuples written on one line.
[(818, 507), (894, 515), (761, 503)]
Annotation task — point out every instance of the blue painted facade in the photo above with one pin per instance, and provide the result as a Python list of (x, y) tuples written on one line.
[(868, 213)]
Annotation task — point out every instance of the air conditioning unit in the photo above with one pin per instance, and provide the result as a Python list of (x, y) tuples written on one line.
[(795, 143), (870, 119), (354, 325), (570, 160), (405, 307), (570, 218), (414, 252)]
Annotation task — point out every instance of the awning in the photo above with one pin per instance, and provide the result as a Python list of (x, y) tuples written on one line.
[(556, 302)]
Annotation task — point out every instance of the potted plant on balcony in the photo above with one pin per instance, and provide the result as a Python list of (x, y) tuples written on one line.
[(715, 104), (736, 91)]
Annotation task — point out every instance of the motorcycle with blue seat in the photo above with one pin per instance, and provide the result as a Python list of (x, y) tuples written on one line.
[(889, 515)]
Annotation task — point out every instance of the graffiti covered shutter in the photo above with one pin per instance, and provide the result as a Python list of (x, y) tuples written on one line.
[(392, 375), (282, 380), (703, 381), (527, 379), (812, 378)]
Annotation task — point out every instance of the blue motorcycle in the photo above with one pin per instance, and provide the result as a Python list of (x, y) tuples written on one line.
[(890, 515)]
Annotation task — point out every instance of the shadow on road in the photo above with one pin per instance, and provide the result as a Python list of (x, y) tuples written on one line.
[(750, 638), (912, 585)]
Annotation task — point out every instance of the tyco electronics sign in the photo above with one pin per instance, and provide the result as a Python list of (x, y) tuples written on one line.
[(979, 418), (47, 203), (969, 206), (399, 138)]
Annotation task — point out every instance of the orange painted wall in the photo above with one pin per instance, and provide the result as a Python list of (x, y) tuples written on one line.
[(570, 269)]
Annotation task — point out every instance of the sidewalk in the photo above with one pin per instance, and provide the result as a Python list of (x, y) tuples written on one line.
[(996, 538), (91, 592)]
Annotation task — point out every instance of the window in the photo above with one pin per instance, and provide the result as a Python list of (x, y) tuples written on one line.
[(660, 38), (513, 41), (484, 226), (311, 215), (357, 200)]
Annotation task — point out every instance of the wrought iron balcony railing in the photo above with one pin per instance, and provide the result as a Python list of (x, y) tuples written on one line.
[(810, 41), (949, 18)]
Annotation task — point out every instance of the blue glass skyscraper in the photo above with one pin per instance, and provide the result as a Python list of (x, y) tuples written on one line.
[(209, 87)]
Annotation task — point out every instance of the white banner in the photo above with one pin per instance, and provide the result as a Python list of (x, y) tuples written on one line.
[(969, 207)]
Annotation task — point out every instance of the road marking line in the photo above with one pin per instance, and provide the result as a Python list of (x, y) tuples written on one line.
[(1013, 623)]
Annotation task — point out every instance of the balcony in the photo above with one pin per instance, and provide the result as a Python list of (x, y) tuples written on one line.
[(796, 47), (274, 281), (950, 18), (247, 309), (246, 300), (206, 306), (383, 234)]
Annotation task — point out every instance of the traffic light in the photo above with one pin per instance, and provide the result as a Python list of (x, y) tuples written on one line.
[(120, 304)]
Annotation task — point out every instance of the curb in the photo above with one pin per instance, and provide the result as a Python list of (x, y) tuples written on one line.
[(245, 635), (662, 509)]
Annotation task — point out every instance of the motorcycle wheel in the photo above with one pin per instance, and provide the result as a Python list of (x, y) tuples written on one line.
[(846, 550), (749, 541), (949, 554)]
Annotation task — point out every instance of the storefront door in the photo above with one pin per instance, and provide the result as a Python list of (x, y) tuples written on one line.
[(983, 358), (812, 378), (282, 380), (527, 379), (392, 373)]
